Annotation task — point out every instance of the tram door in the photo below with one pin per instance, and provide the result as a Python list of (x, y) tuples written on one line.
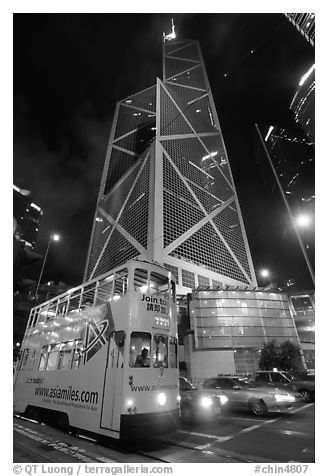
[(113, 384)]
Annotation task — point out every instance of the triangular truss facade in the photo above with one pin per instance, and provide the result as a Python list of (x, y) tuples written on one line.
[(167, 192)]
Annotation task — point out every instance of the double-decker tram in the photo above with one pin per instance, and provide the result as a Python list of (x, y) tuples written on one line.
[(102, 357)]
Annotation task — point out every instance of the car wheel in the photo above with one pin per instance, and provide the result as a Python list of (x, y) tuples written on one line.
[(306, 395), (186, 414), (258, 407)]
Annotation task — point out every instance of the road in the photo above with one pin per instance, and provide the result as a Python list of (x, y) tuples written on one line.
[(234, 437)]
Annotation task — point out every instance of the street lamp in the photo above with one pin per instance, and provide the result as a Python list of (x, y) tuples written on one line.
[(53, 237), (303, 220), (264, 273)]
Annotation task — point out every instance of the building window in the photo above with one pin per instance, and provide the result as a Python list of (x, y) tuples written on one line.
[(188, 279), (203, 281)]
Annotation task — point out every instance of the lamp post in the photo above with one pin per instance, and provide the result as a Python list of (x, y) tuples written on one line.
[(53, 237), (294, 222)]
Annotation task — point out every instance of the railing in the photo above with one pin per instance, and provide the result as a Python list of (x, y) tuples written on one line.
[(96, 292)]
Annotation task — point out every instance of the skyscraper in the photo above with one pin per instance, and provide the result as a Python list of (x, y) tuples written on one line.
[(167, 192), (303, 104), (305, 24)]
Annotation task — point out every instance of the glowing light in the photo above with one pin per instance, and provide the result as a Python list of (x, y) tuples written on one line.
[(116, 297), (161, 398), (36, 207), (269, 132), (223, 399), (264, 273), (55, 237), (206, 402), (212, 154), (306, 75), (303, 220), (171, 35)]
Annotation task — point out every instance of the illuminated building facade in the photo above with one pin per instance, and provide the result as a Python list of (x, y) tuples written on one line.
[(303, 104), (303, 306), (167, 193), (27, 217), (230, 326), (304, 23)]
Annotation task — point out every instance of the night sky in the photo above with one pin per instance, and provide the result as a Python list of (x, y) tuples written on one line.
[(71, 69)]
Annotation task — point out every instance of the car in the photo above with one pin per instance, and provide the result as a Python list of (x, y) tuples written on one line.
[(197, 404), (243, 394), (303, 383)]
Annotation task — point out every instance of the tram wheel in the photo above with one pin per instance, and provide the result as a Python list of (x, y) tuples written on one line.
[(33, 414), (63, 423)]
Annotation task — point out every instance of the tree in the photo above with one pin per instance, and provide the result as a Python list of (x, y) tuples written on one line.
[(284, 356), (269, 356)]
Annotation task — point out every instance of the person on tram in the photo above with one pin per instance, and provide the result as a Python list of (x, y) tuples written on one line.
[(142, 359)]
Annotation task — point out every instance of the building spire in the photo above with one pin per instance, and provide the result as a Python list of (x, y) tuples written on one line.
[(171, 35)]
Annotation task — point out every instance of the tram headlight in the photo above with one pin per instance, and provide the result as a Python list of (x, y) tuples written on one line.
[(161, 398), (206, 402)]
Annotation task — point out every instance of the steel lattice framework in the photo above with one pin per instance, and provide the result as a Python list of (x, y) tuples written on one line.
[(167, 192)]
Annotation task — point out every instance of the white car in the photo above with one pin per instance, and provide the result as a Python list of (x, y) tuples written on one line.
[(244, 395)]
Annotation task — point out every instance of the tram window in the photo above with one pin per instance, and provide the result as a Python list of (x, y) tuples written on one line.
[(141, 280), (52, 358), (121, 283), (31, 364), (160, 351), (139, 344), (24, 358), (173, 290), (159, 284), (65, 355), (173, 357), (77, 354), (104, 291), (44, 357)]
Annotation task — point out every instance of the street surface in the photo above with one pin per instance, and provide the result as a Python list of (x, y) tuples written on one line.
[(235, 437)]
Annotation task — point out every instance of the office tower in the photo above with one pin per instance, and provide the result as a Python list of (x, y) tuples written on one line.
[(27, 217), (167, 192), (303, 104), (305, 24)]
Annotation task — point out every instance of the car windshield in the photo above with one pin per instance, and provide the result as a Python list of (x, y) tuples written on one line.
[(185, 385), (288, 376), (243, 382)]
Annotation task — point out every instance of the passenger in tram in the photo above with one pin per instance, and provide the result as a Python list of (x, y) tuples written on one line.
[(142, 359)]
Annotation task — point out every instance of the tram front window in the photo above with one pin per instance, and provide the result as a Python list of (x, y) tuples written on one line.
[(159, 284), (160, 351), (140, 349), (173, 357)]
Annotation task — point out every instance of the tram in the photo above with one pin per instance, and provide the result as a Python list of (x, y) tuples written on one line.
[(102, 357)]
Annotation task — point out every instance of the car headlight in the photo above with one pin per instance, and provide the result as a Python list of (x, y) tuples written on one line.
[(206, 402), (223, 399), (161, 398), (284, 398)]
